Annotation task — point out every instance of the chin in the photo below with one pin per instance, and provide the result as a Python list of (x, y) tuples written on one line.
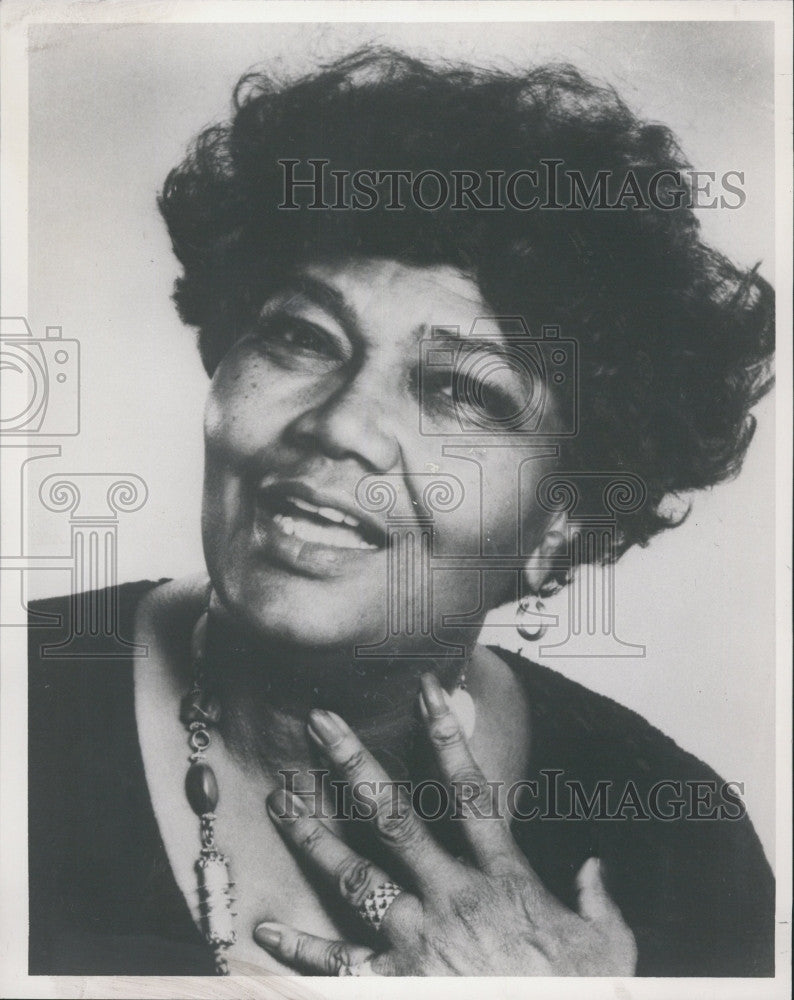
[(304, 613)]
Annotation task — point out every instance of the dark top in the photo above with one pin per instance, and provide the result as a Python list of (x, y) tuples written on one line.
[(698, 893)]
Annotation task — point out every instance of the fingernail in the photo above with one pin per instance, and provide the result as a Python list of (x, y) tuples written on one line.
[(590, 872), (325, 727), (268, 935), (284, 807), (433, 696)]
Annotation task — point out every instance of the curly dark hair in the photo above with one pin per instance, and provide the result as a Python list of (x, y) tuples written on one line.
[(675, 342)]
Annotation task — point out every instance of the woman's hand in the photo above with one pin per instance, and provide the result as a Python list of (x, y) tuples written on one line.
[(489, 917)]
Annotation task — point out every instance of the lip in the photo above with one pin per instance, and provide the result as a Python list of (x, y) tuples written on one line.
[(313, 559), (275, 492)]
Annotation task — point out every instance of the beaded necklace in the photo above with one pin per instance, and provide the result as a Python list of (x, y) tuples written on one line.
[(198, 712)]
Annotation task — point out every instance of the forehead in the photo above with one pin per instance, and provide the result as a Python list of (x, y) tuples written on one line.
[(374, 293)]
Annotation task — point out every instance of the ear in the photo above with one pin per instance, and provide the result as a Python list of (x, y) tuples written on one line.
[(537, 571)]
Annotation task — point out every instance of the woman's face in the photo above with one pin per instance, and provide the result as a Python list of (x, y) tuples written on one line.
[(328, 393)]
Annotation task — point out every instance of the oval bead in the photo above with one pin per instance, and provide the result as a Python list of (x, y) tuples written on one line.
[(199, 637), (201, 788)]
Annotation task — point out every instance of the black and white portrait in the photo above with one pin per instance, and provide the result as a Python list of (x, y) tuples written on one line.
[(392, 528)]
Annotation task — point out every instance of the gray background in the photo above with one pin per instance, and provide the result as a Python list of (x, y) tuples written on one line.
[(111, 110)]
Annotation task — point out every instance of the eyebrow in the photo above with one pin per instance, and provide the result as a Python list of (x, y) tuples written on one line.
[(322, 294), (452, 335), (336, 305)]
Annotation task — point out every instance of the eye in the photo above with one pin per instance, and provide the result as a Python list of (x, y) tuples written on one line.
[(484, 396), (295, 342), (493, 397)]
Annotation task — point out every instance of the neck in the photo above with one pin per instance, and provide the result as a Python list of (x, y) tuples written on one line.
[(267, 688)]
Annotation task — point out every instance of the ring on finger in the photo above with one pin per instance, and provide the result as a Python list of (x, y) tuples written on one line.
[(358, 969), (376, 903)]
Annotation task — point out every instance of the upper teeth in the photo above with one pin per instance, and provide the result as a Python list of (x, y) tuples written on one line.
[(329, 513), (340, 531)]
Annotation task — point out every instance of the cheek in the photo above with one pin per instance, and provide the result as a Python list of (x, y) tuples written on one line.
[(499, 513), (244, 409)]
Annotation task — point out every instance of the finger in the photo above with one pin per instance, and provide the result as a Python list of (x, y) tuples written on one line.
[(312, 955), (595, 903), (477, 805), (354, 877), (396, 823)]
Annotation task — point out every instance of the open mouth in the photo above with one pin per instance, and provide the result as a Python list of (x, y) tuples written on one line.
[(321, 525)]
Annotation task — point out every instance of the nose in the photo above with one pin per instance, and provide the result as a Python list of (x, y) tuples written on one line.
[(353, 422)]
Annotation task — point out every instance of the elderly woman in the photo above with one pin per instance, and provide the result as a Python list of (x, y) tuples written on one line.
[(426, 298)]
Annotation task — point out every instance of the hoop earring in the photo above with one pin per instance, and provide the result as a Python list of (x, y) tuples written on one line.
[(535, 631)]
